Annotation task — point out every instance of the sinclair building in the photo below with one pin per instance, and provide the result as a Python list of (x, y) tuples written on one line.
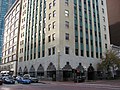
[(56, 35)]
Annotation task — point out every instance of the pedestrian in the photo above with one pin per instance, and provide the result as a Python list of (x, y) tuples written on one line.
[(90, 72)]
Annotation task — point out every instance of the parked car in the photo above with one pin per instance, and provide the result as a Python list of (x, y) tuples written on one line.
[(8, 80), (23, 80), (1, 81), (18, 78), (14, 77), (33, 79)]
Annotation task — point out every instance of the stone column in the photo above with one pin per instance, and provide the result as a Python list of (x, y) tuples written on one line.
[(45, 75), (59, 75)]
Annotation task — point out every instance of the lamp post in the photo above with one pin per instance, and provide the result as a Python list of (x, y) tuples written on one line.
[(58, 60), (58, 66)]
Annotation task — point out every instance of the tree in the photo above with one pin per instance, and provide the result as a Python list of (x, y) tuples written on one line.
[(110, 63)]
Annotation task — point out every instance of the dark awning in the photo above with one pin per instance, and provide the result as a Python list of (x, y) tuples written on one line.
[(67, 67), (51, 67), (40, 68)]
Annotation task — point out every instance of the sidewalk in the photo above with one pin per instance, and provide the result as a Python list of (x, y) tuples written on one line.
[(107, 82), (56, 82)]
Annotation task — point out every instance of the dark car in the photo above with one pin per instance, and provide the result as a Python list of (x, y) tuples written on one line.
[(1, 81), (18, 78), (8, 80), (33, 79)]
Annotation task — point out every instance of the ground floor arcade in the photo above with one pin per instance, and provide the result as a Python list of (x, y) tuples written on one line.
[(63, 68)]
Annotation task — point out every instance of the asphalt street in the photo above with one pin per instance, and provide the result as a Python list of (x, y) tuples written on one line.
[(61, 86)]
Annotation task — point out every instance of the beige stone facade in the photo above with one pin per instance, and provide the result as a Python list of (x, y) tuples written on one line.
[(52, 34), (59, 34)]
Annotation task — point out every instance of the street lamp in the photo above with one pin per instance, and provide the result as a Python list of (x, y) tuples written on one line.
[(58, 60), (58, 65)]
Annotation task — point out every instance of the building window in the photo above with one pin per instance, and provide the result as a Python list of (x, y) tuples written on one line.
[(82, 53), (76, 52), (104, 27), (66, 13), (67, 2), (43, 53), (105, 37), (102, 2), (6, 60), (92, 55), (53, 36), (9, 59), (66, 24), (106, 46), (10, 50), (87, 41), (67, 50), (14, 57), (50, 5), (53, 50), (34, 55), (87, 53), (28, 57), (103, 10), (67, 36), (54, 13), (54, 24), (14, 48), (49, 16), (49, 38), (49, 27), (49, 51), (103, 18), (43, 41), (96, 43), (54, 2), (38, 54), (97, 54)]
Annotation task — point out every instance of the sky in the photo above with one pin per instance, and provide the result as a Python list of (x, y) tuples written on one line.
[(113, 11)]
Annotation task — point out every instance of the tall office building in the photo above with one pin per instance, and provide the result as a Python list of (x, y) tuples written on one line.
[(57, 35), (11, 38), (4, 6)]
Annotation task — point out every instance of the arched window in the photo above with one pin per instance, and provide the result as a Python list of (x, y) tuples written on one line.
[(51, 71), (20, 71), (25, 70), (40, 71), (67, 72), (32, 71)]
